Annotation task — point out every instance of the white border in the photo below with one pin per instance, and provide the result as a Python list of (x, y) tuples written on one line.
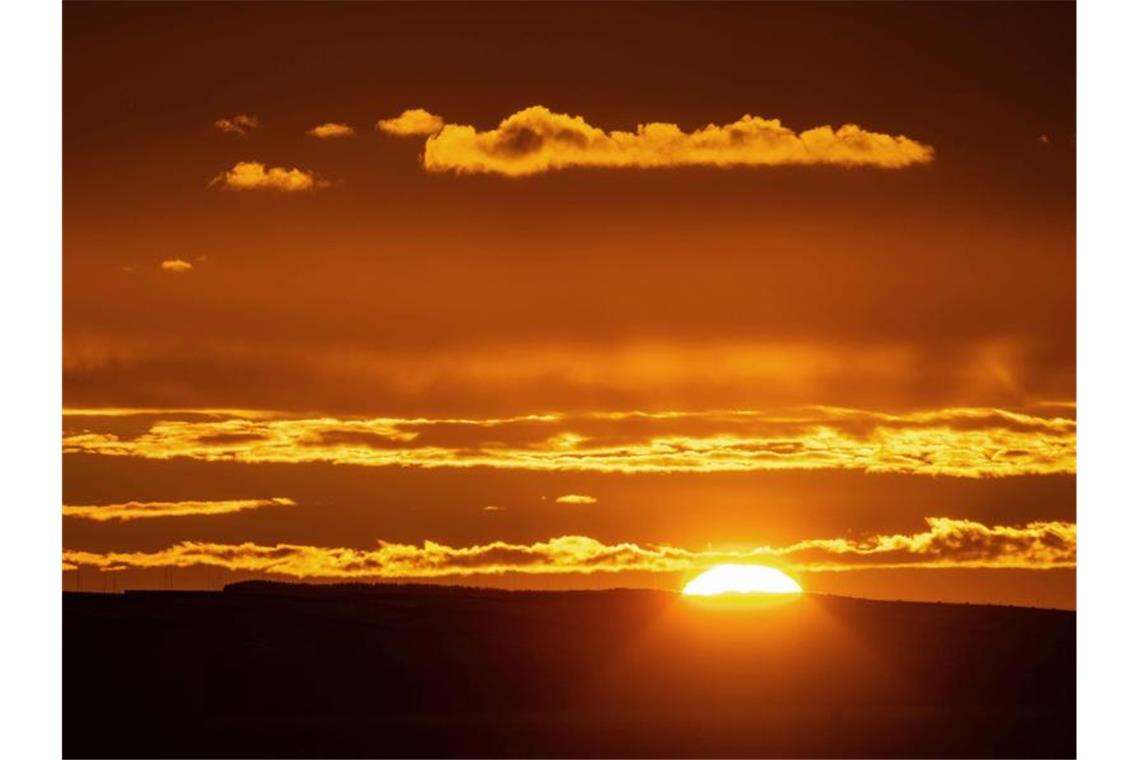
[(1108, 323), (1108, 334), (30, 300)]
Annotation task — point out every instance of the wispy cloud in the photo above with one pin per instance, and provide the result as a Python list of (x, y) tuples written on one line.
[(139, 510), (946, 543), (254, 175), (536, 140), (331, 129), (576, 498), (414, 121), (241, 124), (177, 266), (962, 442)]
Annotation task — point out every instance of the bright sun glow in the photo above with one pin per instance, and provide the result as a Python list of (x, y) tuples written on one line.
[(741, 579)]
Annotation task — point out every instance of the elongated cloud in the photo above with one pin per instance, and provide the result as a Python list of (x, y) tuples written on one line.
[(254, 175), (330, 130), (140, 510), (241, 124), (946, 543), (177, 266), (961, 442), (537, 140), (576, 498), (414, 121)]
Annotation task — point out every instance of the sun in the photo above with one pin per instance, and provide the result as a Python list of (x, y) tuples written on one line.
[(741, 579)]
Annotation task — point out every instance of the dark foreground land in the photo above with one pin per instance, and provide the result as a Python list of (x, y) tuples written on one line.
[(278, 670)]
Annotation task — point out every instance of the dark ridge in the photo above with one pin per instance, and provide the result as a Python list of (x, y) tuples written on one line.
[(266, 669), (446, 589)]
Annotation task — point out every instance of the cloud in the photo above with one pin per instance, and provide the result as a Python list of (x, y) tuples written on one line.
[(417, 372), (961, 442), (576, 498), (536, 140), (240, 124), (138, 510), (176, 265), (946, 543), (253, 175), (331, 129), (414, 121)]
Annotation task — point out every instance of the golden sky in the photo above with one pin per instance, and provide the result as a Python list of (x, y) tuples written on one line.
[(554, 296)]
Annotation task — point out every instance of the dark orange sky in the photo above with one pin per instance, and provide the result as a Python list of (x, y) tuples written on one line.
[(692, 337)]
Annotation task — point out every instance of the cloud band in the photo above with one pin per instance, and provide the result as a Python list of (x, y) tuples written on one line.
[(537, 140), (139, 510), (960, 442), (946, 543)]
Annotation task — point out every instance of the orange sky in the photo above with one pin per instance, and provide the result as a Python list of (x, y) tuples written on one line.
[(579, 271)]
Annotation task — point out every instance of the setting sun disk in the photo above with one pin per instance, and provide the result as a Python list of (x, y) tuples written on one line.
[(741, 579)]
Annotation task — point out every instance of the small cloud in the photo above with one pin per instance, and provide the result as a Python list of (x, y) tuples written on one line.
[(414, 121), (129, 269), (254, 175), (238, 125), (1043, 139), (331, 129), (176, 265), (492, 508), (576, 498)]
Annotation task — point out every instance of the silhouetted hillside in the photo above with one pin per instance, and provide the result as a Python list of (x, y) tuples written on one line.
[(266, 669)]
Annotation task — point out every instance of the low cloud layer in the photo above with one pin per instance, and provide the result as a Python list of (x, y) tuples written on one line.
[(537, 140), (414, 121), (241, 124), (141, 510), (330, 130), (254, 175), (960, 442), (946, 543)]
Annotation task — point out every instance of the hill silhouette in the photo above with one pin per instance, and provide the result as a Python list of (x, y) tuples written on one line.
[(289, 670)]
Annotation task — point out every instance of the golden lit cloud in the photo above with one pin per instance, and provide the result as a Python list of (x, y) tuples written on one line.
[(331, 129), (962, 442), (946, 543), (239, 125), (576, 498), (537, 140), (253, 175), (414, 121), (138, 510), (176, 265)]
